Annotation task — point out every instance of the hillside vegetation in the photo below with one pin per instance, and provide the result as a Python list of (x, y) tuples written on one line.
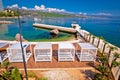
[(48, 14)]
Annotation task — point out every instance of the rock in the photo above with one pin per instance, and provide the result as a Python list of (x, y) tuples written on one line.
[(17, 37), (54, 31)]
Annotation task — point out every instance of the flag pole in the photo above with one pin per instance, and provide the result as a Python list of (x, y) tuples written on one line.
[(20, 30)]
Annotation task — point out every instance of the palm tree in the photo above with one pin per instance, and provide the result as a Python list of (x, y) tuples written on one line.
[(114, 62), (104, 59), (5, 65), (103, 67), (112, 48), (98, 76), (16, 74)]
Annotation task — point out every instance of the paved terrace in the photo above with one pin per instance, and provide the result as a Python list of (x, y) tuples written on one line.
[(55, 64)]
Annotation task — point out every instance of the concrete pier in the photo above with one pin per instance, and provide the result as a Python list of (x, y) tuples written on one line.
[(51, 27), (6, 22)]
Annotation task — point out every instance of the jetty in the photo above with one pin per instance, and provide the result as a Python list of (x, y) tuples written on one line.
[(51, 27), (6, 22)]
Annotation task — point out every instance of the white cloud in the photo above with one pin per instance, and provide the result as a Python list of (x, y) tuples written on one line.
[(82, 13), (25, 8), (39, 8), (42, 7), (13, 6), (102, 14), (55, 10)]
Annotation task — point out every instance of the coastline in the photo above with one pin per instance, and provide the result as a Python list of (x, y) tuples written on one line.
[(11, 17)]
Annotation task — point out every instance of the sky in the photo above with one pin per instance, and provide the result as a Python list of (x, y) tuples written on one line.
[(78, 6)]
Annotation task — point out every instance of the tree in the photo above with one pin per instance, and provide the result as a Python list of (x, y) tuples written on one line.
[(112, 48), (103, 67), (104, 59), (10, 74), (16, 74), (5, 65), (115, 63), (98, 76)]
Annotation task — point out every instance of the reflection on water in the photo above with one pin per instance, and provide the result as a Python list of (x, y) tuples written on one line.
[(3, 29), (53, 36)]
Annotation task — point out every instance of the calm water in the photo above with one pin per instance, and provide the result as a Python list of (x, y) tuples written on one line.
[(109, 28)]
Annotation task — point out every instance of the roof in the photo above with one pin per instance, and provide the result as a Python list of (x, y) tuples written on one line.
[(66, 45), (3, 44), (18, 46), (43, 45), (86, 46)]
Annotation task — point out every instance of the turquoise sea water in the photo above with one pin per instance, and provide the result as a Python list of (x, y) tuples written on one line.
[(109, 28)]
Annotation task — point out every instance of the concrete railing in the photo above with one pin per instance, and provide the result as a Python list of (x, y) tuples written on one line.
[(86, 35)]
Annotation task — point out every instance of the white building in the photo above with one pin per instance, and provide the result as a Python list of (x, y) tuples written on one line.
[(43, 52), (15, 53), (66, 52), (88, 52)]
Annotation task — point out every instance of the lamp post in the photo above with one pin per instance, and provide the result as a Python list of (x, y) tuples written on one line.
[(20, 30)]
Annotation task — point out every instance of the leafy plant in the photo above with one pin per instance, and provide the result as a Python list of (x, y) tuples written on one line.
[(15, 74), (31, 74), (5, 65), (98, 76), (43, 78)]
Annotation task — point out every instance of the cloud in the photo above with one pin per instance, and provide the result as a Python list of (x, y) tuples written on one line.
[(55, 10), (39, 8), (13, 6), (25, 8), (42, 7), (82, 13), (102, 14)]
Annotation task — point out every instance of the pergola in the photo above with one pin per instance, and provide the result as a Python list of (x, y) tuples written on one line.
[(88, 52), (43, 52), (3, 53), (66, 52), (15, 53)]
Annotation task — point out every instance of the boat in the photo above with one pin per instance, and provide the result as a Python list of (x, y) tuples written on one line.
[(76, 26)]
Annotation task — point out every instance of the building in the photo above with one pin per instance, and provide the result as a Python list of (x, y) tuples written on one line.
[(1, 6)]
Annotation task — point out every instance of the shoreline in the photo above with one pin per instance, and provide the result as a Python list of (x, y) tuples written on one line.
[(10, 17)]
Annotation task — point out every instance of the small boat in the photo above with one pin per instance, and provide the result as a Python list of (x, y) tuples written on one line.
[(75, 26)]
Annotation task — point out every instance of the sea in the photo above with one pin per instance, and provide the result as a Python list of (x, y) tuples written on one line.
[(107, 27)]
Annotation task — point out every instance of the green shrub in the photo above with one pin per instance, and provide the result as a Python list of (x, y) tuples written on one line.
[(31, 74), (43, 78)]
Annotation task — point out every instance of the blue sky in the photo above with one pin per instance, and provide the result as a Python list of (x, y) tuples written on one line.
[(85, 6)]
